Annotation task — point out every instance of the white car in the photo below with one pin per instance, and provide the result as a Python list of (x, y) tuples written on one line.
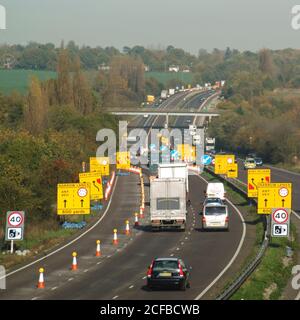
[(215, 216)]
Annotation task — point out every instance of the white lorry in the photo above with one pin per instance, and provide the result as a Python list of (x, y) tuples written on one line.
[(171, 91), (174, 170), (164, 94), (167, 203)]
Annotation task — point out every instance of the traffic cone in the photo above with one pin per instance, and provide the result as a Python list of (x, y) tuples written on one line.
[(127, 230), (41, 283), (115, 241), (98, 249), (141, 213), (74, 263), (136, 219)]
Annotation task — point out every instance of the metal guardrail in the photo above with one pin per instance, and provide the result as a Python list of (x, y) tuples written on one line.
[(253, 264)]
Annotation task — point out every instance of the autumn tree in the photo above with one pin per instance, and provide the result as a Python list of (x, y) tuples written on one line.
[(35, 113), (266, 65)]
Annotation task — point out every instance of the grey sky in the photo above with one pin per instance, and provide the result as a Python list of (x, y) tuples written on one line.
[(188, 24)]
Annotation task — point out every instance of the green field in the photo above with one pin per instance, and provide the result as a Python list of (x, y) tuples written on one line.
[(18, 80), (164, 77)]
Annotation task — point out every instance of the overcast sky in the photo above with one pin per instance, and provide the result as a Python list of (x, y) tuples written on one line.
[(188, 24)]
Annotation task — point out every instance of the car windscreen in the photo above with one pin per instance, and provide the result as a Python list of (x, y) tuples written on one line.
[(213, 200), (168, 204), (215, 211), (165, 265)]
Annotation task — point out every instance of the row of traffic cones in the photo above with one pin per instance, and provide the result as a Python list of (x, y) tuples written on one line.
[(74, 267)]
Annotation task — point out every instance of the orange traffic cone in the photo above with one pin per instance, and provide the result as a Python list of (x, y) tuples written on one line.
[(115, 241), (127, 231), (141, 213), (98, 249), (41, 283), (136, 219), (74, 263)]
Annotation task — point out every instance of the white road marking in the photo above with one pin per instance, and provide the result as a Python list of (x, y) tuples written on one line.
[(86, 270), (71, 242), (182, 243), (144, 278), (108, 256), (115, 297), (99, 262), (70, 279), (54, 288), (186, 238), (200, 295), (172, 255), (177, 249), (131, 286)]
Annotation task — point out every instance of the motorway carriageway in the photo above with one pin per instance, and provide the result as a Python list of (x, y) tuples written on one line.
[(120, 272)]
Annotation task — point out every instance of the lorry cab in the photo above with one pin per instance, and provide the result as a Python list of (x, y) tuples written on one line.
[(215, 190), (215, 216)]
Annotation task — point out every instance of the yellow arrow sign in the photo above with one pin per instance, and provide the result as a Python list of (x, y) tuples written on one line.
[(73, 198), (273, 195), (100, 164), (95, 181), (255, 177), (232, 170), (222, 161), (123, 160)]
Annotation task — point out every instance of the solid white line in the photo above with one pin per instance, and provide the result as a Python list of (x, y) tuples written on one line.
[(200, 295), (131, 286), (115, 297), (71, 242), (54, 288)]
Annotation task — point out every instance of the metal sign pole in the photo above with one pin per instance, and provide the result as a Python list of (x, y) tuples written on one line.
[(12, 246)]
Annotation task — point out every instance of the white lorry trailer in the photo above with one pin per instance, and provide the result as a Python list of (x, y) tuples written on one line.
[(174, 170), (167, 203)]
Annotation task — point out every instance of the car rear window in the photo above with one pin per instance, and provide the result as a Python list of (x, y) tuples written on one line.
[(165, 265), (215, 211)]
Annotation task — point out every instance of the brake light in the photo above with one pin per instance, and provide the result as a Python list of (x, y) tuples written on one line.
[(149, 272), (203, 219), (180, 270), (227, 219)]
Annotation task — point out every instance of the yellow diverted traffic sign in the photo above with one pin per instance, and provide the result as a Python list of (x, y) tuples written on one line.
[(187, 152), (95, 180), (255, 177), (222, 161), (274, 195), (73, 198), (232, 170), (123, 160), (100, 164)]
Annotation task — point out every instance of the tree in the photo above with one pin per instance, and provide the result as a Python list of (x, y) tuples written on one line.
[(35, 113), (266, 62)]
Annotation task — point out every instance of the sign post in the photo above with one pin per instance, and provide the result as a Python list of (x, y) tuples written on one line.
[(14, 227)]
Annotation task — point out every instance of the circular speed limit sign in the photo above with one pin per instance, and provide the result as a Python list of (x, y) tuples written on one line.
[(280, 216), (283, 192), (229, 160), (15, 219)]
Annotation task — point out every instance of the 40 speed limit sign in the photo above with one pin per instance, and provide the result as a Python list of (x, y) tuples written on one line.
[(14, 225), (280, 222)]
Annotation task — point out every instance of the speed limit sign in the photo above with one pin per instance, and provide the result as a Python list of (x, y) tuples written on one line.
[(280, 215), (15, 225)]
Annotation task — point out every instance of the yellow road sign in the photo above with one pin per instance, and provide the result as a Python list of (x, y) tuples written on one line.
[(255, 177), (187, 151), (273, 195), (73, 198), (232, 170), (123, 160), (100, 164), (222, 161), (95, 180)]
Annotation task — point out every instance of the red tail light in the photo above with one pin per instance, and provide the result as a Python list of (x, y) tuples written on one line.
[(149, 272), (227, 219), (180, 270), (203, 219)]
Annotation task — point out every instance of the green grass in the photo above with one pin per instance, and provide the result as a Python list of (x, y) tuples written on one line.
[(164, 77), (18, 80)]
